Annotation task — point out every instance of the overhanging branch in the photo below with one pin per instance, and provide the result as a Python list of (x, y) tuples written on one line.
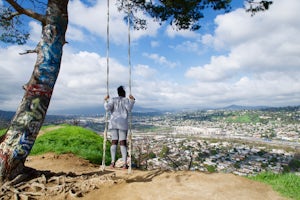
[(20, 10)]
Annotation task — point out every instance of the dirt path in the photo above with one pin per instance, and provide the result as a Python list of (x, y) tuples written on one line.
[(48, 129), (90, 183), (185, 185)]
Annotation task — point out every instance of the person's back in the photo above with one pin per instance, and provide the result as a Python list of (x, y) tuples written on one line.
[(119, 107)]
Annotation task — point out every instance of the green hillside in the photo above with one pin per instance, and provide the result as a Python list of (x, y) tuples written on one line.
[(2, 131), (82, 142), (287, 184), (65, 138)]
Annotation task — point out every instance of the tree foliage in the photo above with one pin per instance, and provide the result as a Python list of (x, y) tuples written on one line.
[(181, 14), (257, 6), (12, 30), (13, 15)]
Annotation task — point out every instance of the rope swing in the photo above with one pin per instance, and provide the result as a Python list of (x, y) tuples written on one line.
[(129, 84), (107, 91)]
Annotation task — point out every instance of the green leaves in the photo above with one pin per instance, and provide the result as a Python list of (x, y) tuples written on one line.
[(183, 14), (254, 6), (11, 28)]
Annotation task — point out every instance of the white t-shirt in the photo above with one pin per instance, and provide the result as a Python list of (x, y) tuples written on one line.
[(119, 108)]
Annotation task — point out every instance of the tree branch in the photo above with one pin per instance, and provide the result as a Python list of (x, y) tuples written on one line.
[(28, 51), (11, 16), (30, 13)]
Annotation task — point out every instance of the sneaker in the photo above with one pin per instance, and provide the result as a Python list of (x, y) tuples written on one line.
[(125, 167), (112, 165)]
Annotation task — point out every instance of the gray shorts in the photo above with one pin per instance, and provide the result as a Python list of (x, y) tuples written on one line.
[(119, 135)]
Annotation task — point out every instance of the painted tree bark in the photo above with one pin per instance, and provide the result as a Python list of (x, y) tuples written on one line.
[(17, 143)]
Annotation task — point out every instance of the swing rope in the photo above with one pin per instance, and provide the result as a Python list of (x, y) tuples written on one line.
[(129, 83), (107, 89)]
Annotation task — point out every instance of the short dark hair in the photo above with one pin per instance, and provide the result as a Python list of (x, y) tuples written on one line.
[(121, 91)]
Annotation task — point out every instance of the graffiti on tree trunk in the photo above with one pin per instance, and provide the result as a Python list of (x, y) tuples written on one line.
[(19, 138)]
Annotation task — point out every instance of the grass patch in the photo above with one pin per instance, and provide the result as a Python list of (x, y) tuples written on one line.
[(72, 139), (2, 131), (286, 184), (244, 118)]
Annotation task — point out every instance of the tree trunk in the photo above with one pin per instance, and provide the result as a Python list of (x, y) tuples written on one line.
[(17, 143)]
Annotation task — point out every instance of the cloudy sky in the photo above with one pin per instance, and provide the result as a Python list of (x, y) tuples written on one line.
[(233, 59)]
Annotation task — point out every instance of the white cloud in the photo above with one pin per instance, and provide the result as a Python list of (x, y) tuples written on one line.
[(75, 34), (143, 71), (207, 39), (83, 78), (160, 60), (94, 19), (81, 81), (173, 32), (262, 65), (35, 31), (188, 46), (221, 68), (154, 44), (14, 73), (238, 27)]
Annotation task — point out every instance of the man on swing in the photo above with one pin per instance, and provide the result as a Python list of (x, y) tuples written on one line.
[(118, 125)]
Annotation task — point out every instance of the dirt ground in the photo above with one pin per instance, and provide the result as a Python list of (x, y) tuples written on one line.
[(69, 177)]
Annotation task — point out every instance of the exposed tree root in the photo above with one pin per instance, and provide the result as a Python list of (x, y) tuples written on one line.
[(38, 184)]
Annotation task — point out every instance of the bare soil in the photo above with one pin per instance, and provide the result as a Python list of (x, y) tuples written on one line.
[(69, 177)]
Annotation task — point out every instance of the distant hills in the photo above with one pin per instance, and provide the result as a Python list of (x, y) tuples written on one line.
[(92, 111), (263, 108), (95, 111), (6, 115), (238, 107)]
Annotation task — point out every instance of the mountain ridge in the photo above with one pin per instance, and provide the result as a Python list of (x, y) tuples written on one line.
[(100, 110)]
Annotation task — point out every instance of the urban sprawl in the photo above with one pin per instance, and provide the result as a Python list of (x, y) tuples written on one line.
[(244, 142)]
